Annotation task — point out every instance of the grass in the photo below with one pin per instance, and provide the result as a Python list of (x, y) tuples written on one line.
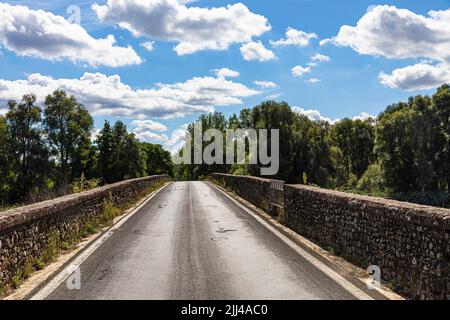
[(397, 285), (55, 244)]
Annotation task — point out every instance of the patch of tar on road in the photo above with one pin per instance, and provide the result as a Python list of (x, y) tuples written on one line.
[(218, 238), (104, 274), (226, 231)]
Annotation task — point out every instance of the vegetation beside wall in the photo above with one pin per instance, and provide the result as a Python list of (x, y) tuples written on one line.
[(48, 150), (34, 236), (403, 154)]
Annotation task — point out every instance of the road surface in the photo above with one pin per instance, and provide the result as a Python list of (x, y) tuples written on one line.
[(191, 242)]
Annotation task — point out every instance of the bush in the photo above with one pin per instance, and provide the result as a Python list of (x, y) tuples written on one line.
[(372, 181), (435, 199), (82, 184)]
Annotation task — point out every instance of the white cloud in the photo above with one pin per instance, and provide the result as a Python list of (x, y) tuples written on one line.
[(177, 139), (226, 73), (401, 34), (173, 143), (94, 134), (312, 114), (266, 84), (364, 116), (324, 42), (316, 115), (320, 58), (149, 136), (41, 34), (148, 45), (420, 76), (256, 51), (108, 95), (274, 96), (193, 28), (143, 125), (299, 71), (295, 38), (313, 80)]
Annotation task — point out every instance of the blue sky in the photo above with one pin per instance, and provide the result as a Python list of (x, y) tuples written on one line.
[(410, 49)]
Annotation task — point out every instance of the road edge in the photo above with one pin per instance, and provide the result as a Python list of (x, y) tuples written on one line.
[(344, 269), (42, 279)]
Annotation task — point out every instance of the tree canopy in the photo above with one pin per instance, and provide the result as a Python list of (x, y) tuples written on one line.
[(403, 153), (46, 149)]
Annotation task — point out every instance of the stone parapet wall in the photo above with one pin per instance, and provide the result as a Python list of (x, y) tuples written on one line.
[(254, 190), (27, 234), (410, 243)]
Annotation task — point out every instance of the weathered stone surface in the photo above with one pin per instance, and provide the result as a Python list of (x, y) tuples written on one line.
[(254, 190), (25, 231), (410, 243)]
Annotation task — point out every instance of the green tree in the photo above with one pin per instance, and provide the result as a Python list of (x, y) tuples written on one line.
[(68, 127), (274, 115), (105, 147), (158, 160), (4, 163), (119, 154), (362, 141), (354, 143), (400, 147), (24, 135), (320, 166), (133, 159), (441, 107)]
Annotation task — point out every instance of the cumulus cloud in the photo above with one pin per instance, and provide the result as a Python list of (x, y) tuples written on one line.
[(226, 73), (312, 114), (173, 143), (256, 51), (108, 95), (401, 34), (317, 59), (148, 45), (420, 76), (316, 115), (364, 116), (266, 84), (320, 58), (41, 34), (193, 28), (294, 38), (299, 71), (144, 125)]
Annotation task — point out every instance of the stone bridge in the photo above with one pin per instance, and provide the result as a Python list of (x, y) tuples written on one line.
[(217, 240)]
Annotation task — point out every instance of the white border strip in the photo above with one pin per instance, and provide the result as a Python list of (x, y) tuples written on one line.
[(84, 255), (355, 291)]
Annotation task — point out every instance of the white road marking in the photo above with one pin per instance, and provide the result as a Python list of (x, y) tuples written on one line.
[(354, 290), (76, 263)]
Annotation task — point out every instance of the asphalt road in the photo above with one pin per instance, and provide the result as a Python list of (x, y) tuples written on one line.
[(191, 242)]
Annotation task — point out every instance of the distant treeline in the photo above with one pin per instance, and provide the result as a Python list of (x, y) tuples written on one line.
[(404, 153), (46, 151)]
